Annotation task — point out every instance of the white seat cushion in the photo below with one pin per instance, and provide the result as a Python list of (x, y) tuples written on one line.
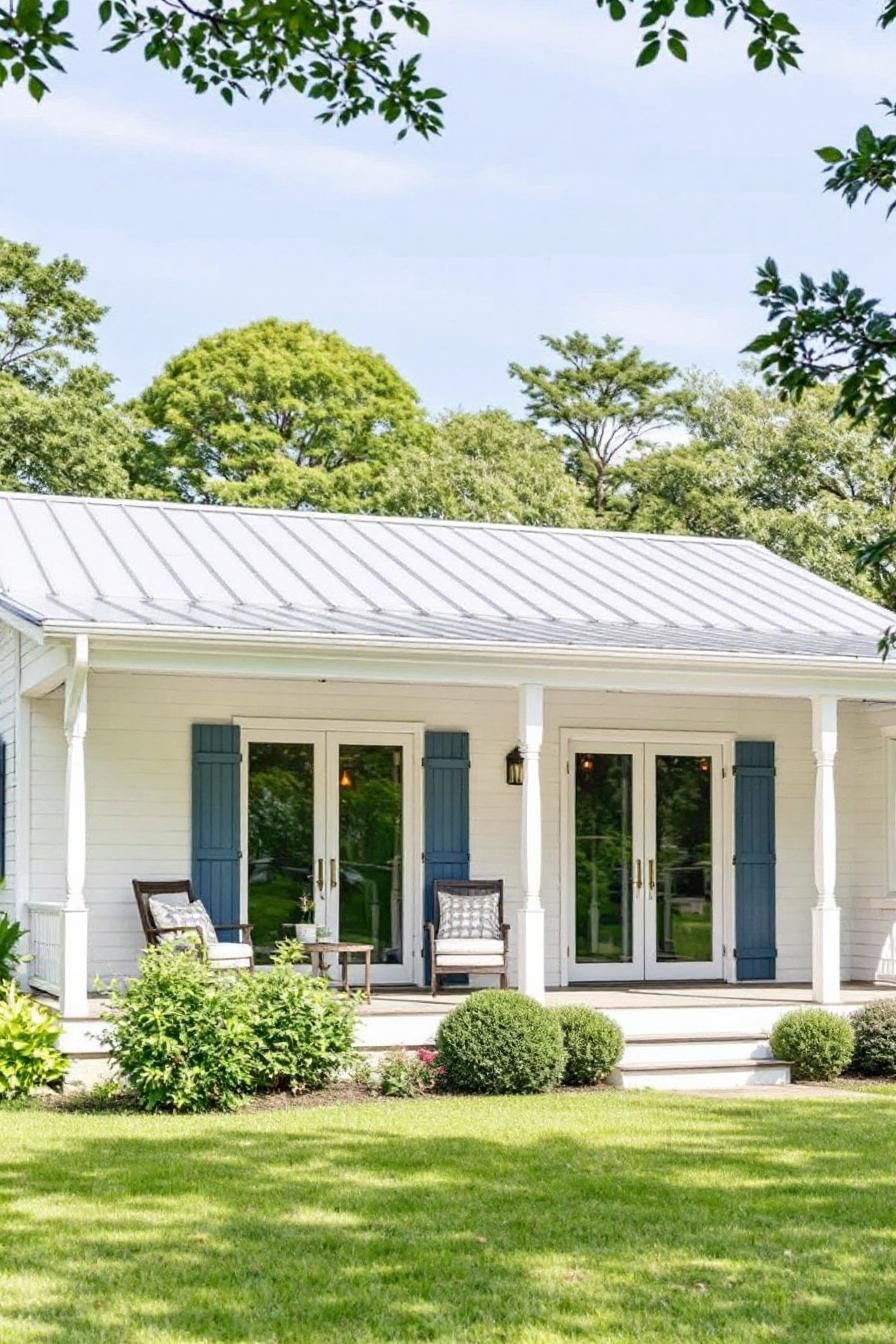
[(458, 961), (191, 915), (229, 956), (447, 947)]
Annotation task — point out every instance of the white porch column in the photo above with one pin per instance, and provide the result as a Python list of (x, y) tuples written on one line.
[(826, 913), (73, 970), (530, 922)]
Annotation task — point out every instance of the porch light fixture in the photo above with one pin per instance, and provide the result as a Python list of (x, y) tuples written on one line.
[(514, 763)]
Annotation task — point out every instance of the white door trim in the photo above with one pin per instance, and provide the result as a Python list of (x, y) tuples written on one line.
[(325, 734), (585, 737)]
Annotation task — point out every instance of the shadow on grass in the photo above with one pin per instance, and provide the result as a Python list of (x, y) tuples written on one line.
[(540, 1219)]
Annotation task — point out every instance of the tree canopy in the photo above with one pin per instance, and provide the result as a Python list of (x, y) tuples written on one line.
[(600, 403), (485, 466), (275, 413), (44, 317), (790, 476)]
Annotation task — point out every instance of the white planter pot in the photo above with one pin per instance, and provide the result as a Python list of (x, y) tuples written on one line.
[(306, 933)]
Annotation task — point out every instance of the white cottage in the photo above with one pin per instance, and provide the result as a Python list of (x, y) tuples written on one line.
[(312, 715)]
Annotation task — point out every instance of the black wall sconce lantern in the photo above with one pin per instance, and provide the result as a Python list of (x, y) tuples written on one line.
[(514, 762)]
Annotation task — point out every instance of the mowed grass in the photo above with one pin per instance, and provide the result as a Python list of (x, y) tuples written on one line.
[(594, 1216)]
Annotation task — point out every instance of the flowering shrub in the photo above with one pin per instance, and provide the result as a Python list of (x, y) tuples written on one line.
[(409, 1075)]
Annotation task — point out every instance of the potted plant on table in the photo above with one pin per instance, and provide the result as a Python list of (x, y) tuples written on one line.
[(306, 931)]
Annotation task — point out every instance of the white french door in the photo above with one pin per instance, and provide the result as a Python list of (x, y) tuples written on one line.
[(328, 826), (644, 874)]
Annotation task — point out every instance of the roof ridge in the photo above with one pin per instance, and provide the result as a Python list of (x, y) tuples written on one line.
[(391, 519)]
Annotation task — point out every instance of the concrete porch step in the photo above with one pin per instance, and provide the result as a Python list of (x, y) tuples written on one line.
[(695, 1048), (697, 1075)]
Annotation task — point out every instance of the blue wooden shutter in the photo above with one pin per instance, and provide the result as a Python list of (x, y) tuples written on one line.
[(754, 859), (446, 805), (2, 809), (216, 821)]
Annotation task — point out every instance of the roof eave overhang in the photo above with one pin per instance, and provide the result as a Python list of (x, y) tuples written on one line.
[(525, 659)]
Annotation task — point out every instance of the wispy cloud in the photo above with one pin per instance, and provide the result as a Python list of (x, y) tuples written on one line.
[(284, 159)]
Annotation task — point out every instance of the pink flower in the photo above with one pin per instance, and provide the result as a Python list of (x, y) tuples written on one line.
[(426, 1056)]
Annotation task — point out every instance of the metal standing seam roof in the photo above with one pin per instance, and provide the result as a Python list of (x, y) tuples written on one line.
[(134, 567)]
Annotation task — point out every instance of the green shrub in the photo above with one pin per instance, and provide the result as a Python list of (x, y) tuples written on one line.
[(818, 1044), (10, 959), (178, 1036), (28, 1036), (501, 1041), (301, 1034), (593, 1045), (401, 1074), (875, 1032)]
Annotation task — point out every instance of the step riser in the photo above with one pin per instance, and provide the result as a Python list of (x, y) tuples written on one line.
[(691, 1079), (694, 1052)]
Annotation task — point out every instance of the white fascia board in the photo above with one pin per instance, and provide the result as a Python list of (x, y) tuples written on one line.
[(617, 670), (46, 671), (21, 619)]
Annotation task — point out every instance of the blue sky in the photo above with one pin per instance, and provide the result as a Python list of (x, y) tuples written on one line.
[(569, 190)]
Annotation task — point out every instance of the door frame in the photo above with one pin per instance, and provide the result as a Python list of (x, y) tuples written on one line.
[(329, 732), (583, 738)]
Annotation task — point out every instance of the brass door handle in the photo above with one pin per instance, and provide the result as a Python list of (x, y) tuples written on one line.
[(333, 879), (650, 882), (320, 874), (638, 879)]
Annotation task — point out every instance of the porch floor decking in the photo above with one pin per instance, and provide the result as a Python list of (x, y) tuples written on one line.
[(611, 997)]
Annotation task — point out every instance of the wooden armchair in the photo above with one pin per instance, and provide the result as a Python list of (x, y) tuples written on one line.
[(186, 919), (468, 932)]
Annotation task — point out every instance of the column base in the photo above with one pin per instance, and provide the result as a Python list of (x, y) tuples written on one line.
[(530, 952), (73, 963), (826, 954)]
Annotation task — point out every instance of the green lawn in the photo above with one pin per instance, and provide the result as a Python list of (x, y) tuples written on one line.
[(602, 1216)]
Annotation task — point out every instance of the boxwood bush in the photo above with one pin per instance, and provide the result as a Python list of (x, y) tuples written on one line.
[(875, 1033), (501, 1041), (593, 1045), (28, 1036), (818, 1044)]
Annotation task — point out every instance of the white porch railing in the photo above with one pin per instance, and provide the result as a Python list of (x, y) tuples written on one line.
[(45, 934)]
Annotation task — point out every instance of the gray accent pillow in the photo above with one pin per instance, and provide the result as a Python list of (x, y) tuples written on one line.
[(468, 915), (192, 915)]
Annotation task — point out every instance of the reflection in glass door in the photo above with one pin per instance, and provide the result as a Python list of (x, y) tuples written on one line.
[(283, 848), (608, 866), (328, 820), (684, 886), (645, 867), (370, 861)]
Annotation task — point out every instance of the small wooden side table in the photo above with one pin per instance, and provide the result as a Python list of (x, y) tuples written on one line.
[(343, 952)]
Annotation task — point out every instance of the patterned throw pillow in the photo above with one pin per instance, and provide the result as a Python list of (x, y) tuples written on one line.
[(468, 915), (193, 915)]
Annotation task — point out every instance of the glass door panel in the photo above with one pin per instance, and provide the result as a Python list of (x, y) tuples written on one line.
[(683, 864), (607, 865), (371, 849), (281, 846)]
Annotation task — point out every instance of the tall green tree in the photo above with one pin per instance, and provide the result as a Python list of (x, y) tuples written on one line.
[(599, 403), (277, 414), (809, 486), (60, 428), (484, 466), (70, 439), (44, 316)]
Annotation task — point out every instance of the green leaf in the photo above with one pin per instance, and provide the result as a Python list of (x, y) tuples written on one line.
[(830, 154), (648, 53)]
